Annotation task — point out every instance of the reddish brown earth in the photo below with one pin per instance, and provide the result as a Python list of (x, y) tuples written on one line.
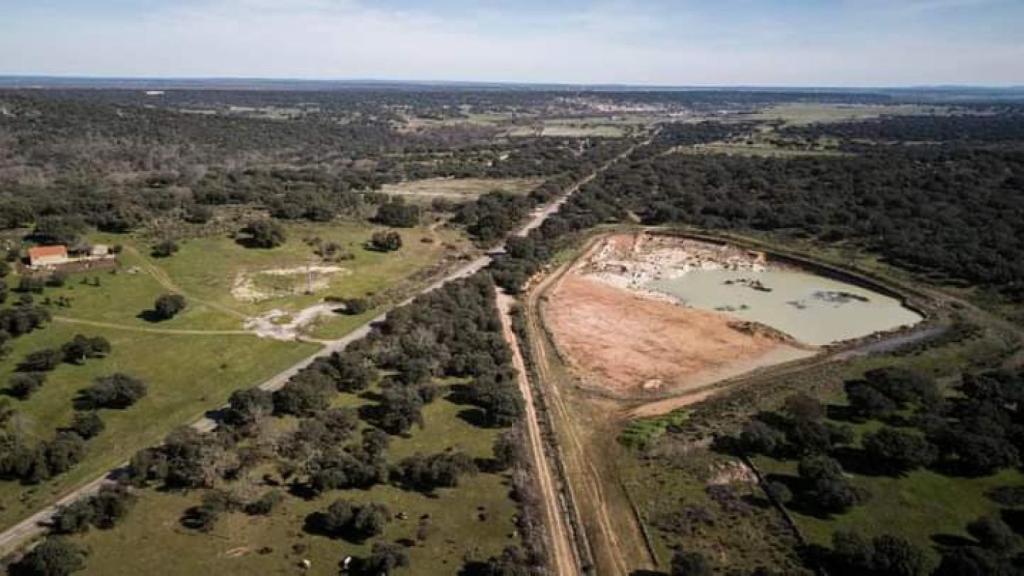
[(625, 342)]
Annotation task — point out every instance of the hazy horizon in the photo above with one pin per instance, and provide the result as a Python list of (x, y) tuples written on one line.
[(734, 43)]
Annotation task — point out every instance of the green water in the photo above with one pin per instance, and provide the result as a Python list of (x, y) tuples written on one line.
[(813, 309)]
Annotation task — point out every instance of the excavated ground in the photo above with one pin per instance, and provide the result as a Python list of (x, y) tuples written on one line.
[(627, 342)]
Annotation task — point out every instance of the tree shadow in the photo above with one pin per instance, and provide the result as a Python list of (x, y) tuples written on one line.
[(843, 414), (473, 416), (951, 540), (1014, 519), (248, 242), (311, 525), (459, 395), (487, 465), (857, 461), (151, 316), (800, 502), (302, 490)]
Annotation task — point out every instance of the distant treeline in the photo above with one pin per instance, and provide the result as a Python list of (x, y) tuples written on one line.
[(101, 159), (1002, 124), (953, 212)]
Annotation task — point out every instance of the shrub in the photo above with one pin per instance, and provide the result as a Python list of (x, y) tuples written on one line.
[(87, 424), (246, 407), (427, 473), (352, 521), (114, 391), (43, 360), (303, 395), (204, 516), (265, 504), (103, 510), (81, 348), (24, 384), (264, 234), (993, 534), (356, 306), (56, 556), (385, 241), (898, 451), (164, 249), (690, 564), (167, 306), (825, 486), (758, 437), (383, 559), (398, 214)]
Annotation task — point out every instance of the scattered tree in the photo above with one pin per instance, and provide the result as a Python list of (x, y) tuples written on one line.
[(168, 306), (264, 233), (115, 391)]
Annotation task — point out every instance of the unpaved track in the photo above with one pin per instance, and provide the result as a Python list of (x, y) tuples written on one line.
[(617, 543), (35, 525), (165, 280), (562, 557), (173, 331)]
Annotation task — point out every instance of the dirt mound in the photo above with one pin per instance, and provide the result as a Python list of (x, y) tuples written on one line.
[(627, 343)]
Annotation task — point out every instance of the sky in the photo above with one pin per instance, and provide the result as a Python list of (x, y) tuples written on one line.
[(644, 42)]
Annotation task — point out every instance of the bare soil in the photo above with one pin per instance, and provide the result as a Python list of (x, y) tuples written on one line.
[(626, 343)]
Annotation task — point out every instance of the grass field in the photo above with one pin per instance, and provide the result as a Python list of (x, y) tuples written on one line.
[(187, 370), (185, 375), (569, 129), (798, 114), (918, 506), (208, 268), (428, 189), (474, 520)]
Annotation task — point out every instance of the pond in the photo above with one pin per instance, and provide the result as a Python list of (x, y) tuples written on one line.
[(812, 309)]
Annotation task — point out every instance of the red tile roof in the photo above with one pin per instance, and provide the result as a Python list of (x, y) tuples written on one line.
[(44, 251)]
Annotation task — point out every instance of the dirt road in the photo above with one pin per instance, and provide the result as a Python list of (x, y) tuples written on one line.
[(615, 537), (35, 525), (173, 331), (562, 556), (165, 280)]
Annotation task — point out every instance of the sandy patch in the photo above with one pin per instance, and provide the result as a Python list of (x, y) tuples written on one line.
[(262, 285), (626, 342), (633, 260), (280, 325)]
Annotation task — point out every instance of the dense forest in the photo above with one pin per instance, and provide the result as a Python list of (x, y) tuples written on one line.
[(954, 212), (986, 126)]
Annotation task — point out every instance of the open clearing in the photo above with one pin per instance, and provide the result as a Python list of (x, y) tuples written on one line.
[(458, 189), (625, 340), (801, 114), (209, 268), (627, 343), (185, 375)]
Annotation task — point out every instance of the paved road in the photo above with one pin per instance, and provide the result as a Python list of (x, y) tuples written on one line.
[(35, 525)]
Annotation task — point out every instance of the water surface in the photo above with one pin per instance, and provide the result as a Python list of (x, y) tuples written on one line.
[(813, 309)]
